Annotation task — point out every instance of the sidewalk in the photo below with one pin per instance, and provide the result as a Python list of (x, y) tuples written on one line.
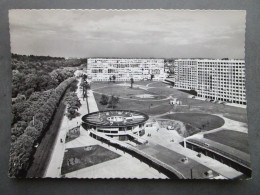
[(54, 167)]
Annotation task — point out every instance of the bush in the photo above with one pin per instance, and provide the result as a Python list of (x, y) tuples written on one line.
[(113, 102), (104, 100)]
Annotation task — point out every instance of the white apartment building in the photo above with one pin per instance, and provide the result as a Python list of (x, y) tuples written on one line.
[(185, 73), (101, 69), (222, 80), (215, 79)]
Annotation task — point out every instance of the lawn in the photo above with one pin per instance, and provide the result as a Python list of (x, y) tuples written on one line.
[(237, 117), (230, 138), (82, 157), (147, 107), (127, 92), (161, 89), (200, 121)]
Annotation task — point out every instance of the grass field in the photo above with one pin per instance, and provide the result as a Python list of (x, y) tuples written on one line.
[(200, 121), (160, 107), (78, 158), (157, 107), (127, 92), (231, 138)]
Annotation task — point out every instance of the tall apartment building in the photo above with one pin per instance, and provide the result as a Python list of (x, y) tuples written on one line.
[(101, 69), (185, 73), (214, 79), (222, 80)]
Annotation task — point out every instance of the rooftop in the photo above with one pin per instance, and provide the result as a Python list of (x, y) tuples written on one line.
[(115, 118)]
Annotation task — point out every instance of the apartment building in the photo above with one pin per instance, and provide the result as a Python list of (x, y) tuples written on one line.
[(222, 80), (214, 79), (185, 74), (102, 69)]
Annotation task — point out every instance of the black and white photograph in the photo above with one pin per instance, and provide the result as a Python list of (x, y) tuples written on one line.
[(129, 94)]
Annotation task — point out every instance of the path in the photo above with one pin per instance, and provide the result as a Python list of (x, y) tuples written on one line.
[(54, 166)]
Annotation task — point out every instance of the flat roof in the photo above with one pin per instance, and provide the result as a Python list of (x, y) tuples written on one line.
[(115, 118)]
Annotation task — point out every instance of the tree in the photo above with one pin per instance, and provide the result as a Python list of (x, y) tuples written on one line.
[(32, 132), (20, 153), (114, 78), (171, 69), (86, 87), (132, 81), (84, 76), (37, 124), (113, 101), (18, 128), (104, 100), (18, 109)]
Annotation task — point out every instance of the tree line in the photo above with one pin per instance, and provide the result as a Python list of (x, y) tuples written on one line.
[(34, 121), (40, 73), (39, 83)]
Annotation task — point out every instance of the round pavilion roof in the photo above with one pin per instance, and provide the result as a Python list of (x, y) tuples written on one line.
[(115, 118)]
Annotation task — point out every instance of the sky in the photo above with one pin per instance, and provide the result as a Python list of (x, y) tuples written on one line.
[(128, 33)]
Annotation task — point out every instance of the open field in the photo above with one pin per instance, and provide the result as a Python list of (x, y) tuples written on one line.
[(230, 138), (151, 108), (127, 92), (201, 121), (81, 157), (160, 107)]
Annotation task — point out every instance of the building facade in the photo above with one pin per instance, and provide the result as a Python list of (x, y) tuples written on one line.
[(185, 74), (214, 79), (102, 69), (222, 80)]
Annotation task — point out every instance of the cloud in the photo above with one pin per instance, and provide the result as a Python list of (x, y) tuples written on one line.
[(142, 33)]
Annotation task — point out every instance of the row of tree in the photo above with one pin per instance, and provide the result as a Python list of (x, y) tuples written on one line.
[(73, 104), (33, 122)]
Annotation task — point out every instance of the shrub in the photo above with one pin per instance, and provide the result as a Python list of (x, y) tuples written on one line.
[(104, 100)]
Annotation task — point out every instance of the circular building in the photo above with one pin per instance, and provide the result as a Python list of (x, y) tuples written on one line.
[(116, 123)]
